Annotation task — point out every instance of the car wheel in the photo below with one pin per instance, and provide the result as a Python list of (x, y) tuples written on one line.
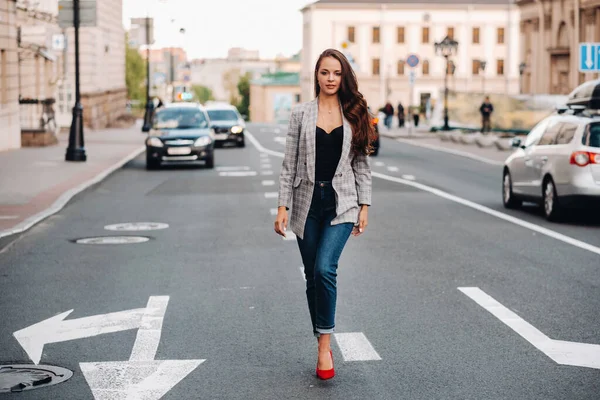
[(210, 162), (508, 198), (552, 208)]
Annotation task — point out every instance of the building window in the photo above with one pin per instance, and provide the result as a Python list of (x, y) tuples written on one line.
[(500, 35), (475, 35), (376, 66), (376, 38), (351, 34), (450, 32), (476, 66), (400, 34), (401, 67), (500, 67), (425, 35), (425, 67)]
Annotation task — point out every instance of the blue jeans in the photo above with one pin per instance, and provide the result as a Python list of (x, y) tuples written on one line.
[(321, 249)]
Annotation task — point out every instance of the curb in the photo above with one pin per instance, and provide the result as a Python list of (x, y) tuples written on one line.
[(67, 196)]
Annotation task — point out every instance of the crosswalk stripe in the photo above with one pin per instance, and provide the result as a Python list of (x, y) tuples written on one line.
[(232, 168), (355, 347), (271, 195), (268, 183), (238, 173)]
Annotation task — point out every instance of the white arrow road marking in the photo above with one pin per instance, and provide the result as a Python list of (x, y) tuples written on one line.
[(566, 353), (55, 330), (464, 202), (355, 347), (142, 377)]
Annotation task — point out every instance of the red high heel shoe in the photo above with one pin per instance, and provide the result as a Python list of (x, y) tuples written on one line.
[(326, 373)]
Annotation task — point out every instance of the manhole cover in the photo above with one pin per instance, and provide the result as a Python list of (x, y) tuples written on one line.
[(113, 240), (137, 226), (20, 377)]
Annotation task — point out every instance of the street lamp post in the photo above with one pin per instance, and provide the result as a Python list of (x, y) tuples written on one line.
[(76, 149), (482, 65), (446, 48), (522, 67), (149, 104)]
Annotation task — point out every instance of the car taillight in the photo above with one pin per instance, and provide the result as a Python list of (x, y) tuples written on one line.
[(583, 158)]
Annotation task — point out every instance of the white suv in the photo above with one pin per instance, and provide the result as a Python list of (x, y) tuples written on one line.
[(558, 165)]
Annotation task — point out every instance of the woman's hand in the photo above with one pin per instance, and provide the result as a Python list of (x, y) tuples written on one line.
[(281, 221), (363, 221)]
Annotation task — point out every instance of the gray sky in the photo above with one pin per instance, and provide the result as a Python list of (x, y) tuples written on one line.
[(214, 26)]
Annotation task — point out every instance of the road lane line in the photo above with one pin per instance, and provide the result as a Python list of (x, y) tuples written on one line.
[(508, 218), (268, 183), (264, 155), (355, 347), (238, 173), (451, 151), (562, 352), (241, 168), (148, 335), (409, 177), (7, 217), (273, 211), (302, 272), (379, 164), (392, 169), (271, 195), (266, 173)]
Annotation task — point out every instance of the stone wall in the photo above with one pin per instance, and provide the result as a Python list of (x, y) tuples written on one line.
[(101, 109), (10, 132)]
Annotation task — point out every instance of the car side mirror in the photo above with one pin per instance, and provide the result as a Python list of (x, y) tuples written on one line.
[(515, 142)]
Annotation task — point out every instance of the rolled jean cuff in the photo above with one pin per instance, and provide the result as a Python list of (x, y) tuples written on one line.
[(320, 331)]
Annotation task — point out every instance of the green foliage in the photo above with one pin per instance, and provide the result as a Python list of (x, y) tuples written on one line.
[(135, 73), (203, 94), (243, 87)]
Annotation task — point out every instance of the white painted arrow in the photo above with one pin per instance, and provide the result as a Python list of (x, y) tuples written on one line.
[(588, 62), (566, 353), (55, 330), (142, 377)]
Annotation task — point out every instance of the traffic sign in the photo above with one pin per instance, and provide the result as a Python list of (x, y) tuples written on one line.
[(412, 60), (87, 13), (411, 77), (589, 57), (58, 42)]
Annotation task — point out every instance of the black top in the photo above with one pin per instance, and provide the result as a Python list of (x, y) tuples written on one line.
[(329, 152)]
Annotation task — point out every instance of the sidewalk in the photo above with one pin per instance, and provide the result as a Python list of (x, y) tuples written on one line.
[(433, 140), (37, 182)]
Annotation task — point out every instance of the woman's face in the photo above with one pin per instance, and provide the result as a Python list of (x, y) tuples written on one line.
[(329, 76)]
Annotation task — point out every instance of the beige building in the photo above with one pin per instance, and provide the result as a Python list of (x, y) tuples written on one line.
[(10, 131), (272, 97), (551, 31), (380, 35)]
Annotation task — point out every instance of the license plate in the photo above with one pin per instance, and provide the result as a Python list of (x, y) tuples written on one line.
[(179, 151), (221, 136)]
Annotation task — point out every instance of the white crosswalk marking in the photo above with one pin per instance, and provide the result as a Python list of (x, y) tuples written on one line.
[(355, 347), (238, 173)]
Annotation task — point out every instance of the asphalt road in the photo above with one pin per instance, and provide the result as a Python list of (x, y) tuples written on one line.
[(236, 292)]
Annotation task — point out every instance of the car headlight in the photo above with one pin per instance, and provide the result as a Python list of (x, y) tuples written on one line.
[(154, 142), (237, 129), (202, 141)]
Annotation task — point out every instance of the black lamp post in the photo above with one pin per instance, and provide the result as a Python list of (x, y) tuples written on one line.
[(482, 65), (76, 149), (522, 67), (149, 104), (446, 48)]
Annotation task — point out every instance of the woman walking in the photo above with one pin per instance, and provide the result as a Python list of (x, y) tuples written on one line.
[(326, 181)]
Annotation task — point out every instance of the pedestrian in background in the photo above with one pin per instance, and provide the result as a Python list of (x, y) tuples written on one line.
[(401, 116), (326, 181), (486, 111), (388, 110)]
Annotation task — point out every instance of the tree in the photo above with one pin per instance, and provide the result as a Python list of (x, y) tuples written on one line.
[(135, 73), (203, 94), (243, 87)]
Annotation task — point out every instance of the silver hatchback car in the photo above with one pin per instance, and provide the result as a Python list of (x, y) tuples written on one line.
[(558, 165)]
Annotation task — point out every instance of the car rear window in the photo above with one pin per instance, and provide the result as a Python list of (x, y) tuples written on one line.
[(593, 136), (222, 115)]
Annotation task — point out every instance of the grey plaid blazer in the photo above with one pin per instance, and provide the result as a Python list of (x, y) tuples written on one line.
[(351, 182)]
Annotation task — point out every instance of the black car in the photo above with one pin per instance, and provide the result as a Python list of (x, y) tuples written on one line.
[(180, 133), (228, 124)]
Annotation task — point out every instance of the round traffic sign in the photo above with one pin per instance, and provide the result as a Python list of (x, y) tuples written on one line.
[(412, 60)]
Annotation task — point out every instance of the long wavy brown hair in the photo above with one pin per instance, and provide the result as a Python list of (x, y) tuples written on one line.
[(353, 103)]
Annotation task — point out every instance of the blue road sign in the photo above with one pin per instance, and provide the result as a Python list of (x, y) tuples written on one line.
[(589, 57), (412, 60)]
